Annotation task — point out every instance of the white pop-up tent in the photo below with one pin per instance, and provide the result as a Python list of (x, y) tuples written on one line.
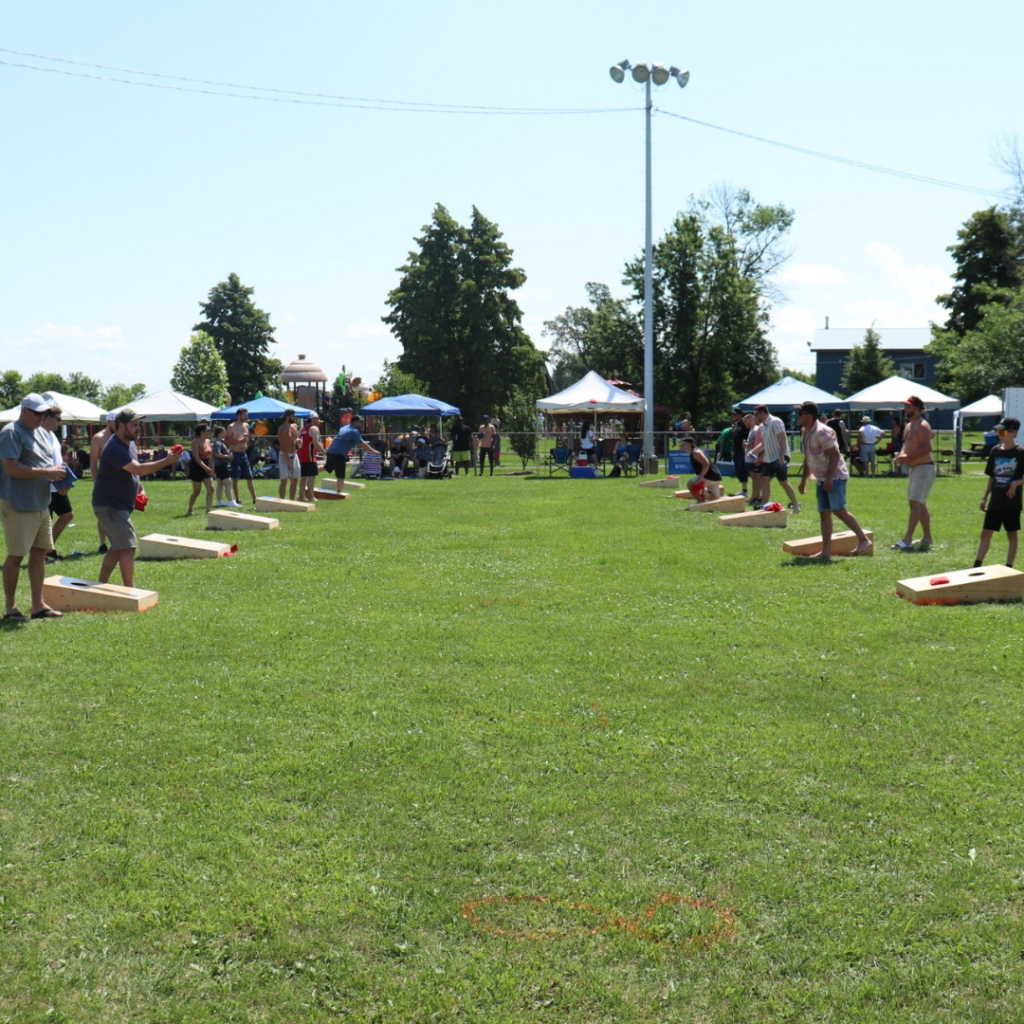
[(893, 392), (990, 405), (591, 393), (75, 410), (169, 407), (788, 393)]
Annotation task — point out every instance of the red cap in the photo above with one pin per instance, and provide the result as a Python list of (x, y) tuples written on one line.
[(178, 448)]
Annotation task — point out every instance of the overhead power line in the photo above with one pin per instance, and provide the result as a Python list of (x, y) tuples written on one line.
[(877, 168), (268, 94)]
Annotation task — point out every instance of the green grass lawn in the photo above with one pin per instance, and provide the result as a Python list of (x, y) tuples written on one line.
[(514, 749)]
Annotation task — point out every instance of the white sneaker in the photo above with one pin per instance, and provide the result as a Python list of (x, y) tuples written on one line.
[(222, 504), (234, 504), (797, 507)]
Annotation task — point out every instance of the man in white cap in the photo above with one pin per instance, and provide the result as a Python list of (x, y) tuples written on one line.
[(96, 445), (26, 471)]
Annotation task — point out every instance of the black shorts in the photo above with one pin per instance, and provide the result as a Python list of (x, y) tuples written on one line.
[(196, 473), (60, 504), (773, 471), (995, 519), (753, 468), (308, 469), (221, 471), (335, 463)]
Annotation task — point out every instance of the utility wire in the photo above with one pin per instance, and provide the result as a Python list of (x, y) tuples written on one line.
[(291, 95), (413, 106), (910, 176)]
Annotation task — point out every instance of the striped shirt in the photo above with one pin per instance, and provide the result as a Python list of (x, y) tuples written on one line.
[(773, 437)]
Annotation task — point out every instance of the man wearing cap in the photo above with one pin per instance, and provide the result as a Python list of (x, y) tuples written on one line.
[(309, 445), (114, 492), (344, 441), (485, 449), (96, 445), (26, 471), (775, 463), (288, 460), (868, 435), (916, 455), (823, 458)]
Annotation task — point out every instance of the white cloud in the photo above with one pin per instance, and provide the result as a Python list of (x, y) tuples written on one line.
[(920, 283), (96, 339), (816, 274), (792, 328)]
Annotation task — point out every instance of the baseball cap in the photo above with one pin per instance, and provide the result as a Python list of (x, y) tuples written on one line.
[(914, 400), (126, 416), (865, 419), (312, 415), (35, 402)]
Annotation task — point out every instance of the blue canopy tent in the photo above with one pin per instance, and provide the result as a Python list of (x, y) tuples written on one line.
[(409, 405), (788, 393), (261, 408)]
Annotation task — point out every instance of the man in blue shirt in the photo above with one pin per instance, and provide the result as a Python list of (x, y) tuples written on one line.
[(344, 441), (114, 493), (26, 470)]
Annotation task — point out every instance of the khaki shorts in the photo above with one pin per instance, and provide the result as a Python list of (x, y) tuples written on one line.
[(919, 482), (117, 525), (288, 467), (25, 530)]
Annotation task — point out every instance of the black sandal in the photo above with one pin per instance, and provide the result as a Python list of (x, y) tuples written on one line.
[(15, 616), (48, 613)]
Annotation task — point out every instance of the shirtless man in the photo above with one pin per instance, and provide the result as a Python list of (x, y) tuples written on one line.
[(485, 450), (96, 446), (916, 454), (236, 437), (288, 459), (310, 445)]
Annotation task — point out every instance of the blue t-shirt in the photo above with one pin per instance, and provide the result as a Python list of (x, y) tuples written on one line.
[(114, 488), (345, 440), (32, 449)]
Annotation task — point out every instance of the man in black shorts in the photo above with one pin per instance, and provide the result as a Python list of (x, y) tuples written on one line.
[(1002, 501), (60, 504)]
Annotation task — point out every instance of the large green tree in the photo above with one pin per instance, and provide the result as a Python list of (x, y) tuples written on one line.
[(12, 388), (987, 256), (395, 381), (200, 371), (459, 326), (606, 336), (991, 356), (242, 333), (122, 394), (866, 364), (710, 314)]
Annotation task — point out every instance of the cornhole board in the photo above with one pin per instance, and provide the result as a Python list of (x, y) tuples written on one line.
[(844, 543), (762, 519), (668, 481), (67, 594), (965, 586), (283, 505), (162, 545), (737, 504), (330, 483), (222, 519), (329, 495)]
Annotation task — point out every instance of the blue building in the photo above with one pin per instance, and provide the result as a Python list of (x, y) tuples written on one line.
[(903, 345)]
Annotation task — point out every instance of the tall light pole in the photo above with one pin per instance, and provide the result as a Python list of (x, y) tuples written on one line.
[(660, 75)]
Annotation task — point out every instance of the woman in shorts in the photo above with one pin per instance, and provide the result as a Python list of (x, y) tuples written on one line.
[(200, 467), (708, 476)]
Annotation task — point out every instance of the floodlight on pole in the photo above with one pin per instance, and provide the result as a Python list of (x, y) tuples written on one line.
[(642, 73)]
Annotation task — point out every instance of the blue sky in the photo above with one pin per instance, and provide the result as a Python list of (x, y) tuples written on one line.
[(126, 204)]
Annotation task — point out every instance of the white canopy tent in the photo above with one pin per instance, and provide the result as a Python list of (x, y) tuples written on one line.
[(893, 392), (591, 393), (75, 410), (169, 407), (990, 405), (788, 393)]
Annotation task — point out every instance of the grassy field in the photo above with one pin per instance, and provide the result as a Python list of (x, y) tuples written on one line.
[(519, 750)]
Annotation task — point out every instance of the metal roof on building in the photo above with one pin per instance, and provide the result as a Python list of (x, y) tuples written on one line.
[(842, 339)]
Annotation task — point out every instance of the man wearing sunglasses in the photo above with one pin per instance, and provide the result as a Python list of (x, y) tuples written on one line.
[(26, 471)]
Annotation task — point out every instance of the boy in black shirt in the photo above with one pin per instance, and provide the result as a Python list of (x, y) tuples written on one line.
[(1005, 471)]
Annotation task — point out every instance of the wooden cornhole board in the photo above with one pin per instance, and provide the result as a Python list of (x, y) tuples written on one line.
[(162, 545), (737, 504), (330, 483), (965, 586), (844, 543), (762, 519), (222, 519), (668, 481), (67, 594), (283, 505), (329, 495)]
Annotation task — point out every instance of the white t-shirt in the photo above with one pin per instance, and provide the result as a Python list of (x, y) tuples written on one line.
[(870, 434)]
